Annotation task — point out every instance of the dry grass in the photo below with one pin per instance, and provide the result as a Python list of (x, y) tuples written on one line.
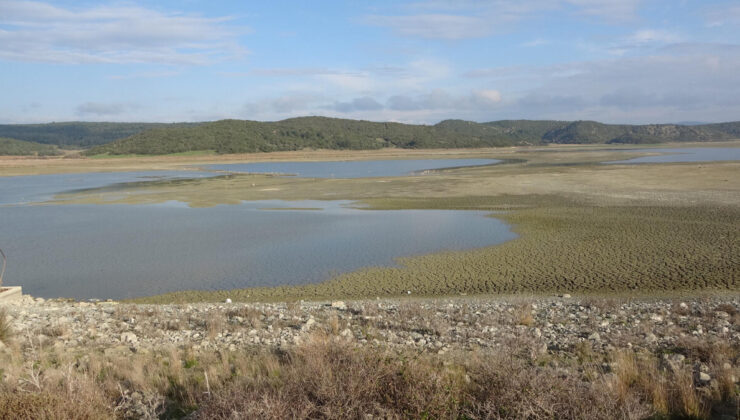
[(523, 315), (327, 378), (6, 330), (53, 405)]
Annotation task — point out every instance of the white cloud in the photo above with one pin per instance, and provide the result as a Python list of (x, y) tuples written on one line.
[(435, 26), (725, 14), (611, 10), (652, 36), (364, 103), (538, 42), (354, 82), (103, 109), (640, 89), (464, 19), (37, 31), (144, 75), (488, 95)]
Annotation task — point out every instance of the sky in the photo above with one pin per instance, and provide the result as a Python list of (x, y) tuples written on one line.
[(615, 61)]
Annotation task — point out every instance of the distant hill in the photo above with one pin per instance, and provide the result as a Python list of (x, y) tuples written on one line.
[(12, 147), (238, 136), (78, 134), (593, 132)]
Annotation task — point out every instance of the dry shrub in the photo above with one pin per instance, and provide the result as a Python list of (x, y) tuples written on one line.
[(523, 315), (6, 330), (55, 329), (728, 308), (332, 324), (505, 387), (326, 380), (717, 351), (670, 392), (252, 316), (49, 406), (214, 323)]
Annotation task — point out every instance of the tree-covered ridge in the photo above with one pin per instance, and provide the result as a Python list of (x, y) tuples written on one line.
[(238, 136), (241, 136), (12, 147), (77, 134)]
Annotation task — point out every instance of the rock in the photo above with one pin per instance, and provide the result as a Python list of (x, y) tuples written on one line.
[(228, 300), (656, 318), (307, 326), (594, 337), (703, 378), (339, 305), (565, 296), (674, 362), (129, 337)]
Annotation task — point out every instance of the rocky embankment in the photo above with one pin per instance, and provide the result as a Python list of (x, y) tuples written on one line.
[(647, 356), (552, 325)]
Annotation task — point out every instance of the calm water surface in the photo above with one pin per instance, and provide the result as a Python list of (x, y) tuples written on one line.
[(121, 251), (351, 169), (37, 188), (685, 154)]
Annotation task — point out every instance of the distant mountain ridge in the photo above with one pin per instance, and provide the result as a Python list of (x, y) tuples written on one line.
[(78, 134), (244, 136)]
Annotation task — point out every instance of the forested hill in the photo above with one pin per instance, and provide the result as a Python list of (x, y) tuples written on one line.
[(12, 147), (237, 136), (77, 134)]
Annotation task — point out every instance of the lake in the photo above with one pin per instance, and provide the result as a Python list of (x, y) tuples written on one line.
[(351, 169), (685, 154), (38, 188), (124, 251)]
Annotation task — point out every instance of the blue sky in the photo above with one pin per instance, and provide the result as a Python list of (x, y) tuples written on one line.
[(622, 61)]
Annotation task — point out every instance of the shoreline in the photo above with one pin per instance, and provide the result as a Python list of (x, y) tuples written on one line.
[(18, 166)]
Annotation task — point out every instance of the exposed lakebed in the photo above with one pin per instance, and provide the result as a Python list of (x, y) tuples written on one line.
[(123, 251), (685, 154), (352, 169)]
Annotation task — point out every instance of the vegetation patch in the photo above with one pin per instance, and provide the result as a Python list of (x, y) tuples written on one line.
[(12, 147), (329, 379)]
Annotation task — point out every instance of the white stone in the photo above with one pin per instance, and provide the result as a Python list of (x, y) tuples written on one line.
[(339, 305)]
